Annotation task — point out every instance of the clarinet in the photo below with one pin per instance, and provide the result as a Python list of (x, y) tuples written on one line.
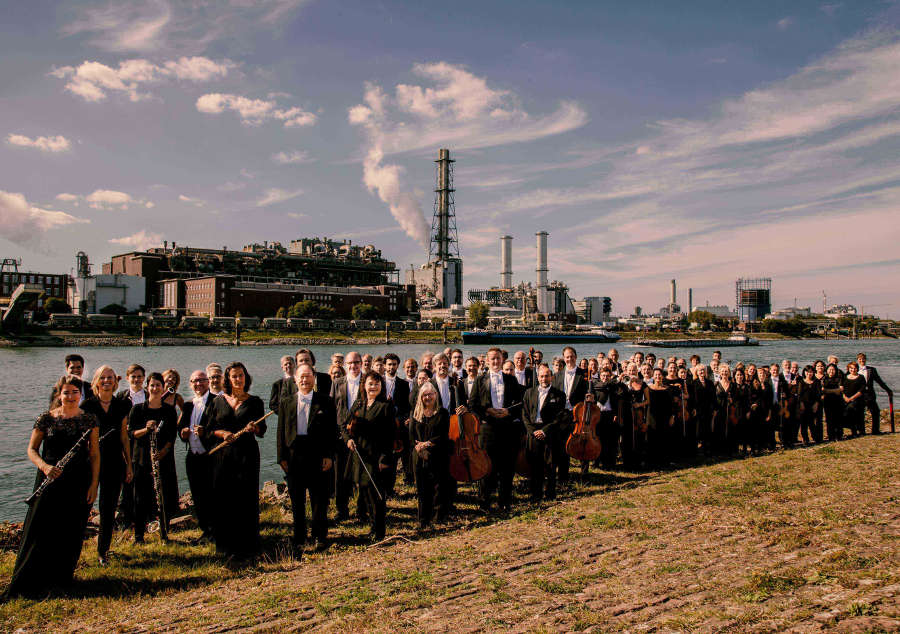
[(157, 484), (61, 464)]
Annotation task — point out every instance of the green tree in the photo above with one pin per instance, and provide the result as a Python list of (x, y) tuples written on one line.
[(364, 311), (703, 318), (114, 309), (57, 305), (306, 308), (478, 314), (281, 313), (325, 312)]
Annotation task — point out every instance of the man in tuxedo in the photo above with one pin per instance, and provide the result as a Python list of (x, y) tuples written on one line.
[(542, 408), (870, 374), (465, 385), (606, 395), (783, 414), (74, 366), (285, 385), (191, 428), (307, 437), (493, 401), (323, 379), (397, 392), (572, 382), (344, 392), (457, 365), (410, 369), (524, 374)]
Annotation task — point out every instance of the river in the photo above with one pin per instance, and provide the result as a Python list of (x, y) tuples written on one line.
[(27, 374)]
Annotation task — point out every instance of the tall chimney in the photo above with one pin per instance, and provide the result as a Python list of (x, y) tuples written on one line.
[(505, 261), (690, 300), (672, 300), (541, 271)]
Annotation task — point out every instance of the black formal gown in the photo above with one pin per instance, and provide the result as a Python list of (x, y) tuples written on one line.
[(833, 404), (235, 478), (112, 463), (55, 522), (431, 471), (145, 506), (373, 433), (659, 413), (855, 411)]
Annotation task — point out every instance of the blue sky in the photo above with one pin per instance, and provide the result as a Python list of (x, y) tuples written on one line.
[(699, 140)]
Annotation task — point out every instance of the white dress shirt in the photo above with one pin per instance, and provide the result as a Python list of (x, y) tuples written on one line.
[(443, 386), (352, 389), (864, 373), (542, 396), (570, 380), (469, 384), (136, 397), (496, 379), (389, 382), (303, 403), (520, 376), (775, 390), (196, 414)]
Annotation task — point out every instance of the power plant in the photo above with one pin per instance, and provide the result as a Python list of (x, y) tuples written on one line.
[(753, 298), (506, 261), (439, 281)]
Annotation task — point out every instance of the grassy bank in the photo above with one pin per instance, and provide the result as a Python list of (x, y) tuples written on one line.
[(802, 539)]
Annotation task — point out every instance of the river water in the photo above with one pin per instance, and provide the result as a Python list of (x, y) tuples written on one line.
[(27, 374)]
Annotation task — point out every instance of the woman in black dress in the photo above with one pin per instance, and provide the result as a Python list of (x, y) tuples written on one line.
[(819, 429), (660, 418), (171, 381), (853, 388), (833, 402), (728, 412), (743, 436), (151, 416), (705, 401), (429, 428), (115, 450), (369, 437), (235, 468), (55, 522), (809, 393)]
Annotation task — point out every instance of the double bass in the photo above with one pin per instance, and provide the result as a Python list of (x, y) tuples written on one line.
[(584, 442), (468, 461)]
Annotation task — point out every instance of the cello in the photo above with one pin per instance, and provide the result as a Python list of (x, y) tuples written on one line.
[(584, 442), (468, 461)]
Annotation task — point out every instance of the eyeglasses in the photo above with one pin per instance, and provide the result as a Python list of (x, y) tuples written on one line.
[(199, 380)]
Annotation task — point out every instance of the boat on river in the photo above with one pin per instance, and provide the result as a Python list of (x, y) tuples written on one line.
[(490, 337), (730, 342)]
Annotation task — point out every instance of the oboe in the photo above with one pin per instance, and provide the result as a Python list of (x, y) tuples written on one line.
[(61, 465), (157, 484)]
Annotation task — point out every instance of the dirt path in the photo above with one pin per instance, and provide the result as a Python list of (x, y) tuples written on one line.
[(802, 541)]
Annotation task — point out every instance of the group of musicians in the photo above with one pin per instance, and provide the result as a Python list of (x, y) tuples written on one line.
[(365, 422)]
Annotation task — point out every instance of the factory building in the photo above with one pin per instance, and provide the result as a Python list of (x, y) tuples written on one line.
[(227, 295), (306, 262), (89, 294), (593, 310), (439, 281), (52, 284), (753, 298)]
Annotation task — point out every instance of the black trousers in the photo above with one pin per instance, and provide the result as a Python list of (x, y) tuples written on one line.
[(376, 506), (199, 473), (431, 490), (305, 475), (875, 413), (112, 471), (855, 418), (609, 440), (343, 487), (540, 462), (834, 421), (502, 449), (561, 459)]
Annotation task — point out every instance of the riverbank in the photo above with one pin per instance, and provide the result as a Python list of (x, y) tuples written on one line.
[(793, 540), (68, 339)]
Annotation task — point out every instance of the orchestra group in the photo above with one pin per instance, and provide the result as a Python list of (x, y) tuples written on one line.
[(369, 421)]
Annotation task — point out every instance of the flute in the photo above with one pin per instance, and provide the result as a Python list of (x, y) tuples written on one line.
[(61, 464), (234, 437)]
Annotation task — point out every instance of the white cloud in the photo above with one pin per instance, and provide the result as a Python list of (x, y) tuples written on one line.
[(254, 111), (68, 198), (274, 196), (784, 23), (24, 224), (93, 81), (151, 25), (140, 241), (459, 110), (149, 204), (193, 201), (43, 143), (290, 158), (297, 216), (108, 198)]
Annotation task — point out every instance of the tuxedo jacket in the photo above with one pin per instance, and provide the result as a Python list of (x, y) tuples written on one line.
[(579, 385), (322, 431), (208, 440), (281, 388), (400, 398), (552, 412), (480, 401), (529, 378), (872, 378), (339, 397), (323, 384)]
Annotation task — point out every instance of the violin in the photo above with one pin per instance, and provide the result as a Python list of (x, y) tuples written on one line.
[(584, 442), (468, 460)]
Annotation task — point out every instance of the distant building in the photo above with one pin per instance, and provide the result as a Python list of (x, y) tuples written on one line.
[(99, 291), (53, 284), (842, 310), (593, 309), (226, 295), (717, 310), (791, 312)]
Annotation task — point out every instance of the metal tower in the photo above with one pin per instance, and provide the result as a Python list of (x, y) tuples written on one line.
[(444, 239)]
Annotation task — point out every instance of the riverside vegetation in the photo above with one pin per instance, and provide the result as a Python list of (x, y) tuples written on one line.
[(804, 539)]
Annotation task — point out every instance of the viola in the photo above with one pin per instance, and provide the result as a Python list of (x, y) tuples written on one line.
[(584, 442), (468, 461)]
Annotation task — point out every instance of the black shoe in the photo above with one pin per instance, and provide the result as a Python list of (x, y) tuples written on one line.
[(343, 515)]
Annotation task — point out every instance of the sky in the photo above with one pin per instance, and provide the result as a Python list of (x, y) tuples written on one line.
[(701, 141)]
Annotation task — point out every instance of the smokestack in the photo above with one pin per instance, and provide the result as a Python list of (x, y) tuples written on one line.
[(690, 300), (443, 191), (541, 271), (672, 300), (506, 262)]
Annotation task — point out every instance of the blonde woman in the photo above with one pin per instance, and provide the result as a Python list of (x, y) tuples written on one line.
[(428, 434)]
